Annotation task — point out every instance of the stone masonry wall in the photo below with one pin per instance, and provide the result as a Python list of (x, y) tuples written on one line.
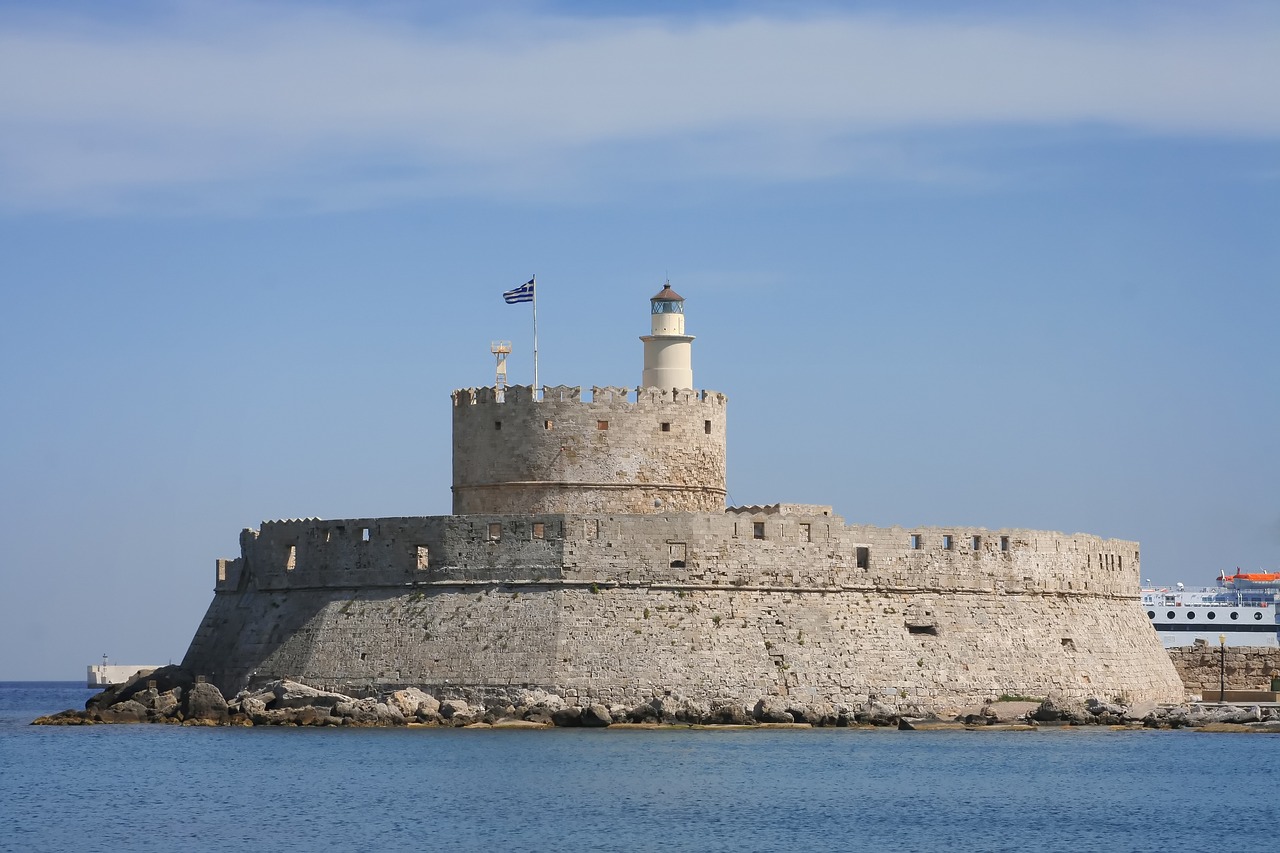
[(658, 452), (1247, 668), (619, 608)]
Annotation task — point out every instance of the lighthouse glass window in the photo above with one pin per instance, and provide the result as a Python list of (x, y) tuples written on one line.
[(667, 306)]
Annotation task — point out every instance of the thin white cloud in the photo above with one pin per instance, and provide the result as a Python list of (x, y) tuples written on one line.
[(317, 108)]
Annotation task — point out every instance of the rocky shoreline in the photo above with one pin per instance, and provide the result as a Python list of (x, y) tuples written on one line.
[(173, 696)]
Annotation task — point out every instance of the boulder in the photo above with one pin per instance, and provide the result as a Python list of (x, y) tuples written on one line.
[(772, 709), (877, 713), (538, 715), (1009, 712), (388, 714), (644, 713), (204, 702), (410, 699), (451, 707), (498, 713), (292, 694), (127, 711), (530, 699), (727, 713), (568, 716), (596, 716), (1058, 709), (168, 703)]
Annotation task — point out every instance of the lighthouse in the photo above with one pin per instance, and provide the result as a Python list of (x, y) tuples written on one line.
[(668, 351)]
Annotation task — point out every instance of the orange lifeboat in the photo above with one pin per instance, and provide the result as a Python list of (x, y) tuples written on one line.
[(1256, 580)]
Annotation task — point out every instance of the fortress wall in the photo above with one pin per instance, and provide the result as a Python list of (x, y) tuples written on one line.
[(684, 548), (1244, 667), (1011, 558), (527, 456), (626, 645), (744, 618), (343, 553)]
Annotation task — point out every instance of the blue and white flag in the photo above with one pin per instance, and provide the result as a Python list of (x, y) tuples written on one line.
[(523, 293)]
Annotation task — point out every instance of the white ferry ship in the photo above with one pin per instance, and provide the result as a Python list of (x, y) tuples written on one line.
[(1242, 609)]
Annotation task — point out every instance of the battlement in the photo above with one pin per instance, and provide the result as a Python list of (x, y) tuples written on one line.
[(781, 509), (555, 394)]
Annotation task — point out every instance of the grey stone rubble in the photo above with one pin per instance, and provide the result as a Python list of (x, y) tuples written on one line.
[(171, 695)]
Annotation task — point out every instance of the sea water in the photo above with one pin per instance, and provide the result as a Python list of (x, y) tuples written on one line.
[(166, 788)]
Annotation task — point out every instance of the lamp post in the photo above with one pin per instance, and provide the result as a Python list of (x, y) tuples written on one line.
[(1222, 668)]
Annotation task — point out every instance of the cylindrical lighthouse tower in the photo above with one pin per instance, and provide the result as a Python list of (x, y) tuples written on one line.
[(668, 351)]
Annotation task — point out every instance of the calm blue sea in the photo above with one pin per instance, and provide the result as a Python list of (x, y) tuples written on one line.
[(162, 788)]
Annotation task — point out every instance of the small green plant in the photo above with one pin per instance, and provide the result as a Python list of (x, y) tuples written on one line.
[(595, 590), (1016, 697), (680, 592), (716, 619), (767, 645), (920, 662), (646, 614)]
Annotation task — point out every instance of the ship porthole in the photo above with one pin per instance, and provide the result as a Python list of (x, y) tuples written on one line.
[(1211, 615), (1191, 614), (1171, 614), (1151, 614), (1235, 615), (1257, 616)]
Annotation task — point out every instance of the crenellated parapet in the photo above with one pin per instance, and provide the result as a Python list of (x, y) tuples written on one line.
[(780, 546), (626, 450)]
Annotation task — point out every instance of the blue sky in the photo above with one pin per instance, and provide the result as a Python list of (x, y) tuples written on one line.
[(1013, 267)]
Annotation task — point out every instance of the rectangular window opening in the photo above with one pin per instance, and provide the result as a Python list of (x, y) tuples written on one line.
[(757, 530), (706, 427), (917, 542), (497, 424), (602, 424), (539, 530), (364, 534), (495, 531), (679, 553), (291, 559), (862, 558), (1004, 543), (547, 424), (948, 544), (423, 558), (931, 630), (806, 533), (666, 426), (977, 543)]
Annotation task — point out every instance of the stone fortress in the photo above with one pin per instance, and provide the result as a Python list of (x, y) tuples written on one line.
[(591, 554)]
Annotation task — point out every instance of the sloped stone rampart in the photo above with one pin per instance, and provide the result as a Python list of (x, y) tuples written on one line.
[(618, 609)]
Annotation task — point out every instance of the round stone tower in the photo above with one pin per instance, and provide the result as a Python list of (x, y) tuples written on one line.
[(659, 448)]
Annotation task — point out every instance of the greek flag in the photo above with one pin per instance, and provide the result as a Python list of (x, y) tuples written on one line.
[(523, 293)]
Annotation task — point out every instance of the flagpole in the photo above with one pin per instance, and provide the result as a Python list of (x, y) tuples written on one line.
[(535, 337)]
